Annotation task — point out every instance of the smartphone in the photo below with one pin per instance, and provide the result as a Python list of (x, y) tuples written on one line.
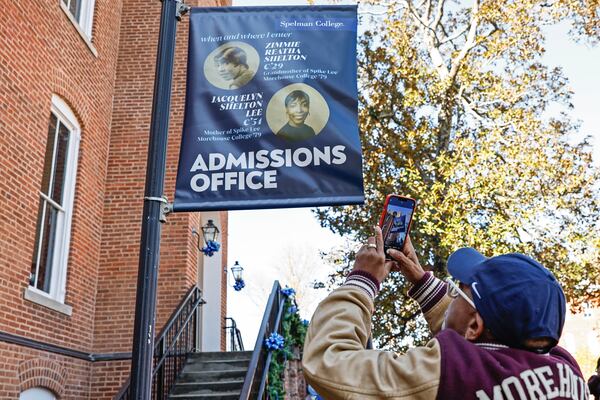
[(396, 220)]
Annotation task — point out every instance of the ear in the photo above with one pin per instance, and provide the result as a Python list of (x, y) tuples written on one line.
[(475, 328)]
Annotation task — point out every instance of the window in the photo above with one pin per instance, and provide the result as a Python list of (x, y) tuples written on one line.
[(49, 265), (82, 12), (37, 394)]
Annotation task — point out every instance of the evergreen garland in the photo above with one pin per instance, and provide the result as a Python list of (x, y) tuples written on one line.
[(293, 331)]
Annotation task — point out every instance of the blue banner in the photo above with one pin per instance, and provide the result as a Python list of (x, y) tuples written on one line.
[(271, 109)]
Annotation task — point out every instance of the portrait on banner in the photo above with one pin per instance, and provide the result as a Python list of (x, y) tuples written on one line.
[(297, 112), (231, 65)]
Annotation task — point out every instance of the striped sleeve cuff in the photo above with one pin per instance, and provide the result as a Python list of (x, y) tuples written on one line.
[(428, 291), (364, 281)]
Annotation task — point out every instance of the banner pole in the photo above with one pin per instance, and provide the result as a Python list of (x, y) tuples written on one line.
[(147, 282)]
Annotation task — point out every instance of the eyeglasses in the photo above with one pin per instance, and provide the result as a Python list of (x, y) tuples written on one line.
[(454, 291)]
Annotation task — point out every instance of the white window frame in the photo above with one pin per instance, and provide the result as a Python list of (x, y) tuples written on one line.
[(37, 393), (86, 16), (60, 257)]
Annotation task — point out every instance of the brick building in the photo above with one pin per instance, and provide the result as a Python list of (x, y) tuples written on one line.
[(76, 85)]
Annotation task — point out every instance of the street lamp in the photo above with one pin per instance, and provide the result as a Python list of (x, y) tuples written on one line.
[(236, 271), (210, 232)]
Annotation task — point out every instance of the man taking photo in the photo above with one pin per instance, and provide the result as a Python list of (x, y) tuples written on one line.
[(495, 332)]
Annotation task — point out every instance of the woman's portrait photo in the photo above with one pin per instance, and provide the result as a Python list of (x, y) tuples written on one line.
[(297, 105), (231, 65), (297, 112)]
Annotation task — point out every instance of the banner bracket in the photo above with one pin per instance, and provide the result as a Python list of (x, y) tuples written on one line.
[(165, 209), (182, 9)]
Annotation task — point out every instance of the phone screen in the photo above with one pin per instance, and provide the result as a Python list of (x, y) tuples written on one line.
[(396, 221)]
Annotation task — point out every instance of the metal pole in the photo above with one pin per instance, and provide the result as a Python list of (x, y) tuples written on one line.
[(145, 303)]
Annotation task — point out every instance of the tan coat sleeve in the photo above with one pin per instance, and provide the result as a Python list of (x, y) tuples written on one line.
[(338, 366), (431, 294), (435, 316)]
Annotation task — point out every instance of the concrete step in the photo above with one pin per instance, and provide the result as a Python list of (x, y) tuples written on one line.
[(192, 375), (221, 355), (212, 375), (211, 396), (209, 387), (215, 366)]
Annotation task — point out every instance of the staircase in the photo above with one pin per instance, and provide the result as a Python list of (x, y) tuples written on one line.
[(212, 375), (181, 373)]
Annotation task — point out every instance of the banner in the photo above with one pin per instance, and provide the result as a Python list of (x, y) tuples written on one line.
[(271, 109)]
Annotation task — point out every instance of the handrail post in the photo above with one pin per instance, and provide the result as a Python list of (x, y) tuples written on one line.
[(197, 329), (161, 373), (239, 339), (232, 336)]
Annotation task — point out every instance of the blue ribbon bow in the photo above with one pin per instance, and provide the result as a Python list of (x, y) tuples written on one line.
[(211, 248)]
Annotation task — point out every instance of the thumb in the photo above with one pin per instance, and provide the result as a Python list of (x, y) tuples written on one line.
[(401, 258), (403, 263), (395, 254)]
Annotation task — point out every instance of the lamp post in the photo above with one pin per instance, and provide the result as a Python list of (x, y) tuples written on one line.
[(152, 215)]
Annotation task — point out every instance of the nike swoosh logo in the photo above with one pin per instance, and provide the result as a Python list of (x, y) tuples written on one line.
[(473, 287)]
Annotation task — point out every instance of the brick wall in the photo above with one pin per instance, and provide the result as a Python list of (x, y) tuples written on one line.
[(293, 379), (107, 378), (125, 186), (125, 183), (22, 369), (42, 53)]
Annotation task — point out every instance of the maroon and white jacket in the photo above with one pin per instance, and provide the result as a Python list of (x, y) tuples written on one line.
[(338, 365)]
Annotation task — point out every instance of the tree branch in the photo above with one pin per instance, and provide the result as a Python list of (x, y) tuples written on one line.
[(415, 15), (428, 10), (454, 36), (443, 29), (485, 120), (439, 12), (470, 43), (432, 41)]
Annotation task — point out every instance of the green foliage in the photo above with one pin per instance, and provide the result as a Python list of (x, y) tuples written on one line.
[(275, 387), (458, 111), (293, 331)]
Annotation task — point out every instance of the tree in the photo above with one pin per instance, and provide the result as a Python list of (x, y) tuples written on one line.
[(297, 266), (457, 111), (584, 15)]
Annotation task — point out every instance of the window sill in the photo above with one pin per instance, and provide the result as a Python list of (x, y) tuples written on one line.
[(85, 37), (41, 298)]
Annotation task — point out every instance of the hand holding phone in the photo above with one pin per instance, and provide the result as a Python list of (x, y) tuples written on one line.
[(407, 262), (396, 220)]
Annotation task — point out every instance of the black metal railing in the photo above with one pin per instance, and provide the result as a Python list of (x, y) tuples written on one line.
[(258, 370), (177, 339), (235, 336)]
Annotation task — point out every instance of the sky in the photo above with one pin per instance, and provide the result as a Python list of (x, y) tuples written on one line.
[(261, 239)]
